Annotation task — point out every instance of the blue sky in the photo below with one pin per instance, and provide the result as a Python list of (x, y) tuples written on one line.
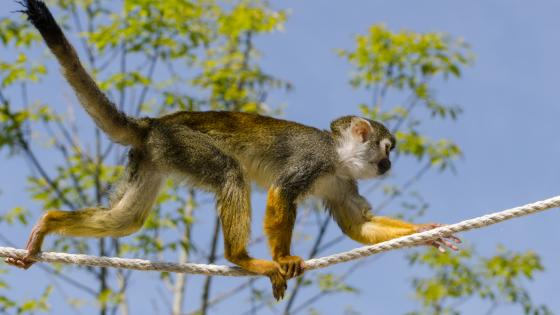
[(508, 132)]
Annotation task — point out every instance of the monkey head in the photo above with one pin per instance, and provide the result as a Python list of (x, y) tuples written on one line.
[(363, 146)]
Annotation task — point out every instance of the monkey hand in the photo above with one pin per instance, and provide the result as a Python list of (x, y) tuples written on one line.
[(439, 243), (292, 265)]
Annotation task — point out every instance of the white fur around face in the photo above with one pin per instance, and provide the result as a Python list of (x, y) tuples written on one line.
[(353, 155)]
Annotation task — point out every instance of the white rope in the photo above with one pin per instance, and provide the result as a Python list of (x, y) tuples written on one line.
[(405, 241)]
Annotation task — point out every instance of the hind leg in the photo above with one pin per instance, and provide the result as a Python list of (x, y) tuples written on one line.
[(234, 212), (85, 222), (124, 217), (198, 157), (235, 215)]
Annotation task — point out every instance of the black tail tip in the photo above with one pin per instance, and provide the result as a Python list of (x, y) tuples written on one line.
[(37, 12)]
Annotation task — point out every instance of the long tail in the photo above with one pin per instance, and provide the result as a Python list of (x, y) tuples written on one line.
[(117, 125)]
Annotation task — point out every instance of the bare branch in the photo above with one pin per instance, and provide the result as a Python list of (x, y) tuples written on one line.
[(211, 259), (184, 249), (313, 253), (322, 294)]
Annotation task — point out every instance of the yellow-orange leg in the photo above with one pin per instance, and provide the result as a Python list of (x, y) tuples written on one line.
[(278, 226)]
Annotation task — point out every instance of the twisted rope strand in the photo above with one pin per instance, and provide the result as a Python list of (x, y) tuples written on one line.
[(405, 241)]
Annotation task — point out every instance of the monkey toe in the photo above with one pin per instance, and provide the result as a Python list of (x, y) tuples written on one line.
[(293, 266), (279, 285), (23, 263)]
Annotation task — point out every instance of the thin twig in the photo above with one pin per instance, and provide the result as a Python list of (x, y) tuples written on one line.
[(312, 254), (184, 250), (24, 144), (211, 259), (322, 294)]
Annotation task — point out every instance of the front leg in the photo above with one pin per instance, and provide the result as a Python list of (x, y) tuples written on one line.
[(279, 223), (369, 229), (439, 243), (353, 214)]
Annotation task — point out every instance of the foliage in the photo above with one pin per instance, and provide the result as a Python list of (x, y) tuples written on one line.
[(153, 57), (392, 64), (28, 306), (498, 280), (201, 46)]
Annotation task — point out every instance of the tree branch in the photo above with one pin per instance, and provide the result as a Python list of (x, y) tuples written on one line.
[(314, 251), (211, 259), (184, 249)]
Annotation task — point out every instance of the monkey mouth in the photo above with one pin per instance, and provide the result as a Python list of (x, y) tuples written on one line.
[(381, 172)]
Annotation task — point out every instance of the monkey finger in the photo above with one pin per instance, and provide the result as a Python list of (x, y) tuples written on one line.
[(285, 271), (427, 227), (9, 261), (281, 270), (451, 237), (435, 225), (17, 262), (441, 245), (455, 239), (277, 293), (279, 286), (282, 291), (436, 245), (290, 269), (448, 244), (296, 270), (12, 261), (299, 269), (28, 261)]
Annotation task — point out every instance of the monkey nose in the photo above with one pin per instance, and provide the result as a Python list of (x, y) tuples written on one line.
[(383, 166)]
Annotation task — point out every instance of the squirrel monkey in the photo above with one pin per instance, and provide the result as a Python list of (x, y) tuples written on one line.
[(223, 152)]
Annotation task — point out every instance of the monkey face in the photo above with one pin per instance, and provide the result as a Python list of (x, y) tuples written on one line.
[(364, 147), (383, 149), (376, 157)]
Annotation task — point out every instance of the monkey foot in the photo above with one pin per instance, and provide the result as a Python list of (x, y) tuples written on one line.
[(292, 266), (279, 285), (23, 263)]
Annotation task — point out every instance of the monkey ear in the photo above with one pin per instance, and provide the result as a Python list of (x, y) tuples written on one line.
[(361, 129)]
